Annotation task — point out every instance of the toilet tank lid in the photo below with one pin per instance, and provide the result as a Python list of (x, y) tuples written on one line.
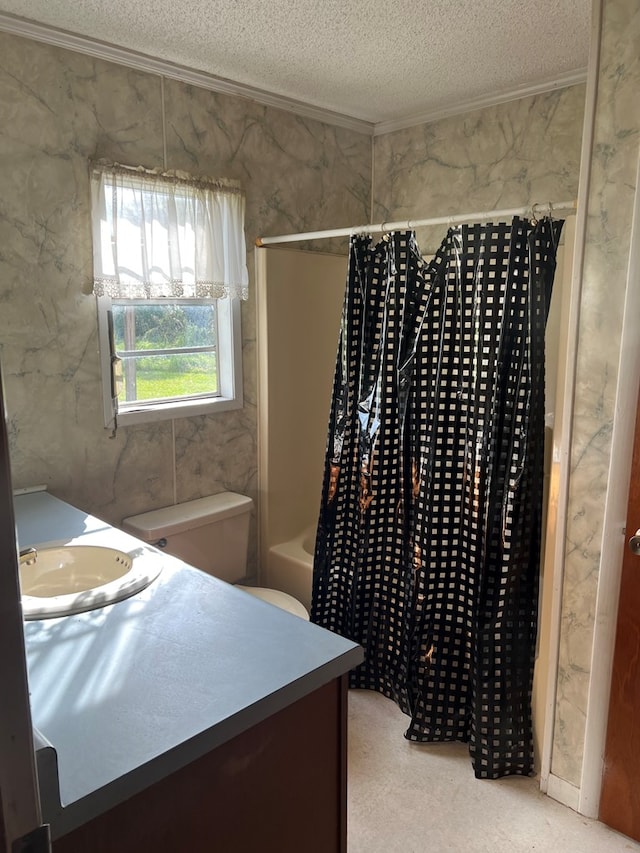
[(170, 520)]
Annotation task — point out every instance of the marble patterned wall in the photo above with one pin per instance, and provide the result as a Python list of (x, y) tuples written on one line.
[(509, 155), (614, 162), (60, 109)]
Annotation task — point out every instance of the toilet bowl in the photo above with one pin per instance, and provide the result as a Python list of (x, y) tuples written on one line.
[(280, 599), (211, 534)]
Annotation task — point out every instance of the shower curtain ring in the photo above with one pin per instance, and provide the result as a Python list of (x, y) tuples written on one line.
[(534, 218)]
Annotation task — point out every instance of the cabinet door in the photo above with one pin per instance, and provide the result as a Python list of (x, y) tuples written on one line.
[(280, 787)]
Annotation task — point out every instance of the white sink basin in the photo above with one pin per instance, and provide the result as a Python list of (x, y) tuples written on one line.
[(66, 579)]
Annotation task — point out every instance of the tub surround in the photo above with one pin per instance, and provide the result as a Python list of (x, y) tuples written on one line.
[(137, 691), (298, 326), (290, 566)]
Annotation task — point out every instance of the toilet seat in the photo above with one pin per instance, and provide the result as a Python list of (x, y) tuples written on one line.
[(279, 599)]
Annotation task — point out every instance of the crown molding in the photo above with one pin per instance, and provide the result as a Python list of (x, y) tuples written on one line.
[(571, 78), (151, 65), (143, 62)]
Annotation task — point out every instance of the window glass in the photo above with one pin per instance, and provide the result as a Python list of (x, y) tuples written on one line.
[(167, 351)]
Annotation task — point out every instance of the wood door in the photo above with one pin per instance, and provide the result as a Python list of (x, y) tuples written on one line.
[(620, 798)]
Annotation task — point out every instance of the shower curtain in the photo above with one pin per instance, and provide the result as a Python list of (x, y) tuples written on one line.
[(427, 550)]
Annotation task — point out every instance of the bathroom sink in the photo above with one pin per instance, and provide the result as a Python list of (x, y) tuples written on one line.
[(67, 579)]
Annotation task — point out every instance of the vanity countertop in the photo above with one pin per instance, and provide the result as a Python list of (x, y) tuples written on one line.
[(129, 693)]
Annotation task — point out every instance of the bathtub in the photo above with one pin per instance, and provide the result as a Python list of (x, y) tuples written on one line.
[(290, 566)]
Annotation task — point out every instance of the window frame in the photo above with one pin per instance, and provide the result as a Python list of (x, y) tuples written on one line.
[(229, 354)]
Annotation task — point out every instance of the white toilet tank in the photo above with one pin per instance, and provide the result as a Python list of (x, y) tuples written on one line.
[(209, 533)]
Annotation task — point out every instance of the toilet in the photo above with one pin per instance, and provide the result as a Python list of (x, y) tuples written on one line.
[(211, 534)]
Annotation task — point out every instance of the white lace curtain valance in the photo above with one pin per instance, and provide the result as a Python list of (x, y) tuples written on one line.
[(166, 235)]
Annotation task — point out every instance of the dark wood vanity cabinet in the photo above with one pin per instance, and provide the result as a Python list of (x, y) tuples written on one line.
[(280, 787)]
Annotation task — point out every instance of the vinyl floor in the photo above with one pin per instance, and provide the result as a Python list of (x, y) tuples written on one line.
[(424, 798)]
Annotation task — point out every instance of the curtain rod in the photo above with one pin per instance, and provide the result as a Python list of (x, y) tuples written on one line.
[(546, 208)]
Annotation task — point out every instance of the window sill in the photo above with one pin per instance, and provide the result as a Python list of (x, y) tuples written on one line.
[(172, 411)]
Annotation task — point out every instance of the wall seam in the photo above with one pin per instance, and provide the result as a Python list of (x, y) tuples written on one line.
[(164, 125), (173, 462), (373, 176)]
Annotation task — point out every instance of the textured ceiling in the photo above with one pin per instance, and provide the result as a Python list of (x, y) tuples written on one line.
[(382, 61)]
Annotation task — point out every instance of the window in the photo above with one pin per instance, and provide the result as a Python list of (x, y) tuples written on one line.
[(169, 270)]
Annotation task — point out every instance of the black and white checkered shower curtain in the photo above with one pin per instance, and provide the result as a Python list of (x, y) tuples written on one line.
[(429, 531)]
